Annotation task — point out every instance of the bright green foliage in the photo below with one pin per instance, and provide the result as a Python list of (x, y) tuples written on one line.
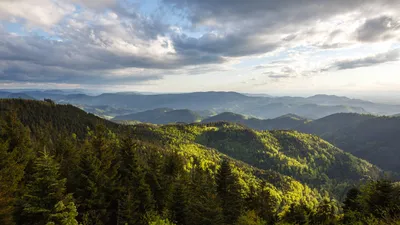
[(159, 221), (64, 213), (250, 218)]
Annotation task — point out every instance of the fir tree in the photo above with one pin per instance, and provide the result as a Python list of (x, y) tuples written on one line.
[(43, 192), (229, 191)]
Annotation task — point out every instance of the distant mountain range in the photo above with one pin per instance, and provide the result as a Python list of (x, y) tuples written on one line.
[(162, 116), (261, 106)]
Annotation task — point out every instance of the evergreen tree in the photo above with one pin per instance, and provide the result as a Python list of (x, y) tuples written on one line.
[(15, 151), (64, 213), (96, 178), (136, 199), (204, 205), (297, 214), (179, 205), (43, 192), (229, 191)]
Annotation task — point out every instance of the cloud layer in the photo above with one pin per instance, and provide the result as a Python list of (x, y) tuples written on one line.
[(113, 42)]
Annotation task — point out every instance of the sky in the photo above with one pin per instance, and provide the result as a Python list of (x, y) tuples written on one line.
[(285, 47)]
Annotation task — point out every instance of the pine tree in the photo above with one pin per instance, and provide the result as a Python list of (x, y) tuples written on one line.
[(204, 205), (64, 213), (15, 151), (136, 199), (229, 191), (43, 192), (96, 178), (179, 206)]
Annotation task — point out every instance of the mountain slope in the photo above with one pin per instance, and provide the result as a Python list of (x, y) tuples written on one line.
[(60, 121), (39, 115), (162, 116), (304, 157), (369, 137), (283, 122)]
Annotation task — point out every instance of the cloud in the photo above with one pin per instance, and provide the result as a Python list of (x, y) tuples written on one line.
[(285, 72), (40, 13), (88, 41), (97, 4), (390, 56), (381, 28)]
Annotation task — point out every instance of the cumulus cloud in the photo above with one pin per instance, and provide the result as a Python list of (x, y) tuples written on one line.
[(40, 13), (373, 60), (90, 41), (379, 29)]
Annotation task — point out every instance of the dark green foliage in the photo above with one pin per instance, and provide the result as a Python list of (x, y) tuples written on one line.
[(15, 152), (44, 194), (135, 197), (179, 206), (97, 176), (369, 137), (229, 193), (374, 203), (148, 174), (297, 214)]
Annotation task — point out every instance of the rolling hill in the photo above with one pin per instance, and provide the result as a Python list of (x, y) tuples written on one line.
[(283, 122), (162, 116), (373, 138), (112, 169), (261, 106)]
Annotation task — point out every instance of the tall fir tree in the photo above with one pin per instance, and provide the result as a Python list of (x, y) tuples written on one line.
[(229, 191), (135, 200), (43, 193), (96, 178), (15, 152)]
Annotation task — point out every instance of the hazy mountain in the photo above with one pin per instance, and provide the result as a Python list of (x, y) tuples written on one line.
[(311, 111), (260, 106), (20, 96), (162, 116)]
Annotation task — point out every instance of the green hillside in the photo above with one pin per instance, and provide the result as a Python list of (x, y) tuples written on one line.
[(369, 137), (217, 173), (304, 157), (283, 122)]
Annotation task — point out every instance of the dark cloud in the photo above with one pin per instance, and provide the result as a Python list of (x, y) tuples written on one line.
[(270, 13), (389, 56), (230, 45), (379, 29)]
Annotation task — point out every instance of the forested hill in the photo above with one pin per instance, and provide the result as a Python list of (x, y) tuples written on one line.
[(40, 115), (374, 138), (304, 157), (216, 173), (288, 121)]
